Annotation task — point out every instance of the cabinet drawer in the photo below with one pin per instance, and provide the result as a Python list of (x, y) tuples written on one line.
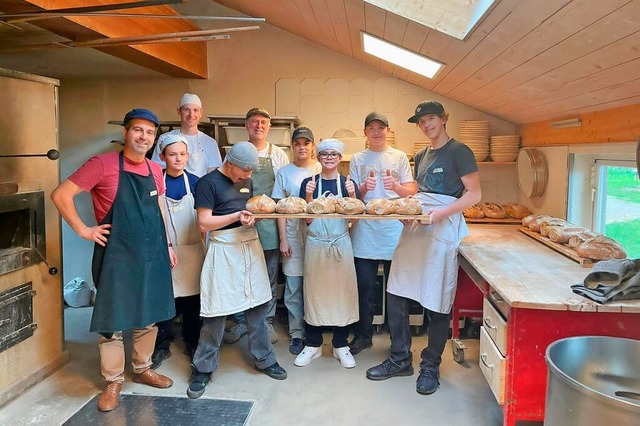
[(492, 365), (495, 326)]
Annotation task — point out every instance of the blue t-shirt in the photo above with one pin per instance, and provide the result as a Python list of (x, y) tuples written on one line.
[(327, 185), (175, 185)]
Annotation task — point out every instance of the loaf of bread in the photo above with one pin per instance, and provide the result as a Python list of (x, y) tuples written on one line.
[(261, 204), (493, 211), (516, 211), (535, 224), (544, 226), (473, 212), (580, 237), (528, 219), (407, 206), (380, 206), (601, 248), (322, 205), (291, 205), (348, 205), (562, 234)]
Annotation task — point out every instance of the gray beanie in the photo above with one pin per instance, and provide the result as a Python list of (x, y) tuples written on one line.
[(243, 155)]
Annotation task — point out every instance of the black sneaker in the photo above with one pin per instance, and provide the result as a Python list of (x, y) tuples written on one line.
[(427, 382), (197, 384), (390, 369), (159, 355), (296, 346), (274, 371), (357, 345)]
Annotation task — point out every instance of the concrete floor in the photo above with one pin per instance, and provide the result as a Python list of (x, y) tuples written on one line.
[(323, 393)]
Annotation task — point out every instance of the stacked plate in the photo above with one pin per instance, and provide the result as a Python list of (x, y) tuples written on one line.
[(504, 148), (475, 134)]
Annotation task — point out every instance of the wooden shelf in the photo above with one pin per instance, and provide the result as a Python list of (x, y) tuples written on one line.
[(563, 249), (497, 163)]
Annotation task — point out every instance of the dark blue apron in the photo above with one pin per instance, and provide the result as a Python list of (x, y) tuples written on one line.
[(132, 273)]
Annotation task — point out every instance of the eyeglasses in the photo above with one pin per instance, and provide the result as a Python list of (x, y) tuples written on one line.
[(328, 154)]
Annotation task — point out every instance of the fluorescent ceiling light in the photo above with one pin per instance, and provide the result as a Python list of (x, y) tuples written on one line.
[(400, 56), (565, 124)]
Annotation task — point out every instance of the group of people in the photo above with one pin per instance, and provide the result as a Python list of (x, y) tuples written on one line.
[(150, 262)]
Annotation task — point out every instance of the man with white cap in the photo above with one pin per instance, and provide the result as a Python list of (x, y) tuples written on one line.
[(272, 158), (204, 152), (234, 275), (186, 240)]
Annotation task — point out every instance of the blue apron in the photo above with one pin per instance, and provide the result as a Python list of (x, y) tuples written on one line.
[(132, 273)]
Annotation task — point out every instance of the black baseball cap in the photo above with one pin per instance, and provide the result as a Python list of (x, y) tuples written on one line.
[(426, 108), (373, 116), (302, 132), (140, 113)]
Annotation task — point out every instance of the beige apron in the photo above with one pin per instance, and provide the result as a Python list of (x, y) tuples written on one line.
[(425, 264), (330, 287), (184, 234), (234, 275)]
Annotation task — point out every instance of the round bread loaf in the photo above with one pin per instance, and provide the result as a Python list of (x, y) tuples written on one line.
[(493, 211), (348, 205), (601, 248), (261, 204), (291, 205), (561, 223), (407, 206), (516, 211), (473, 212), (322, 205), (380, 206)]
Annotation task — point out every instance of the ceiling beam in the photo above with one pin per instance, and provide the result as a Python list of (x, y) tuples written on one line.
[(182, 60)]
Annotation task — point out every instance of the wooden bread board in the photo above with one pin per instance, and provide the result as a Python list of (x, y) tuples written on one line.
[(425, 219), (506, 220), (569, 252)]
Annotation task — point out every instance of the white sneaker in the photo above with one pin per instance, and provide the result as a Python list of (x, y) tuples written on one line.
[(345, 357), (308, 354)]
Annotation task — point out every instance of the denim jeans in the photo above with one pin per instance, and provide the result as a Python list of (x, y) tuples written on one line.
[(206, 357), (367, 275), (294, 302), (400, 330)]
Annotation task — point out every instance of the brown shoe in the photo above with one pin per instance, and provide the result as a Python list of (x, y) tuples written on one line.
[(109, 396), (151, 378)]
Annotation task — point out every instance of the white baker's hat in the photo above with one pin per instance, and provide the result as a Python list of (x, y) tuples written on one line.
[(190, 98), (334, 144), (170, 139)]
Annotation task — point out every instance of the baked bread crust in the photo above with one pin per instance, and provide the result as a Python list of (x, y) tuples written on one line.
[(348, 205), (544, 226), (261, 204), (380, 206), (516, 211), (493, 211), (322, 205), (562, 234), (407, 206), (601, 248), (291, 205), (473, 212), (536, 222)]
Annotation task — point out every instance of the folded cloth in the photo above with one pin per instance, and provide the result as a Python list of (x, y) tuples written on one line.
[(611, 272), (602, 291)]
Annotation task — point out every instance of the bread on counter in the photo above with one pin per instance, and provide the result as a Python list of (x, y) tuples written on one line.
[(322, 205), (580, 237), (560, 223), (537, 222), (601, 248), (407, 206), (562, 234), (348, 205), (473, 212), (516, 211), (380, 206), (291, 205), (261, 204), (493, 211)]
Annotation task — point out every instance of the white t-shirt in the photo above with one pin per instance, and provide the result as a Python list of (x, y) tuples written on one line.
[(377, 239), (287, 184), (203, 152)]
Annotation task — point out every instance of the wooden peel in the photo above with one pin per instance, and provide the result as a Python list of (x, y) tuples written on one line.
[(8, 188)]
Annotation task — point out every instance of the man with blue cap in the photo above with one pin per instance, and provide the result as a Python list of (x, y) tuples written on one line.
[(131, 235)]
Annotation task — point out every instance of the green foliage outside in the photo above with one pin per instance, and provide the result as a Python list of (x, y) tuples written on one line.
[(623, 184), (627, 234)]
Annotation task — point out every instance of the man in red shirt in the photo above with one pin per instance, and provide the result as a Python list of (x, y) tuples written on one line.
[(132, 260)]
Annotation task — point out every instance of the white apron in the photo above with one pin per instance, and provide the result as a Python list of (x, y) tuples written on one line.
[(234, 275), (293, 266), (425, 264), (185, 236), (330, 287)]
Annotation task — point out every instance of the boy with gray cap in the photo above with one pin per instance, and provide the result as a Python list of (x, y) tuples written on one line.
[(204, 152), (234, 275)]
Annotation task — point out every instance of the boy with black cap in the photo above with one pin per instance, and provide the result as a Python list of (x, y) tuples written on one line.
[(448, 182), (379, 171), (125, 188), (186, 240), (234, 275)]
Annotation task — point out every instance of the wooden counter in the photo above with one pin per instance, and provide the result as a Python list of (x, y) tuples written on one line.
[(527, 274), (529, 284)]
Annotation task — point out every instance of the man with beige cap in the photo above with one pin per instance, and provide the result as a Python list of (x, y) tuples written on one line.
[(203, 149)]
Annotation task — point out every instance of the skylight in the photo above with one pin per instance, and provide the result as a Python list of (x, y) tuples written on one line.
[(400, 56), (456, 18)]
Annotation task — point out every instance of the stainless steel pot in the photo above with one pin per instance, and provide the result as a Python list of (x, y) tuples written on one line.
[(593, 380)]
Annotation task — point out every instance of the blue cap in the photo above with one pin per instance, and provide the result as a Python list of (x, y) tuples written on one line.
[(141, 113)]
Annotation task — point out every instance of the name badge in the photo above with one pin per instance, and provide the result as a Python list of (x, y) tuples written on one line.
[(244, 190), (438, 170), (153, 193)]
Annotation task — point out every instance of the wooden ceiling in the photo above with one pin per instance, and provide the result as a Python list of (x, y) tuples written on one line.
[(526, 61)]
